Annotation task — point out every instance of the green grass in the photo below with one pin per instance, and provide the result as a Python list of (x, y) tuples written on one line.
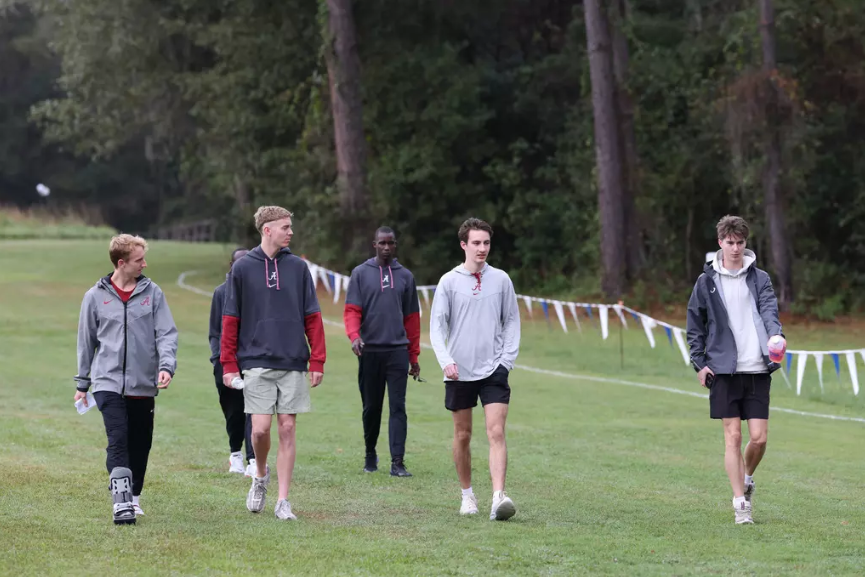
[(16, 224), (608, 479)]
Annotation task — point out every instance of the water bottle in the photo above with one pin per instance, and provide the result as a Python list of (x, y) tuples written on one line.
[(236, 383)]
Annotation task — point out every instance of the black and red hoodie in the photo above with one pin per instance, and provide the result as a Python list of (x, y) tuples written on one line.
[(382, 308), (270, 313)]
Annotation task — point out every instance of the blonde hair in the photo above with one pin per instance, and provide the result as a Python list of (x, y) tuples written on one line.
[(121, 247), (266, 214)]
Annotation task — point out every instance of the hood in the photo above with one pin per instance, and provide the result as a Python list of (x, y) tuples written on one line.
[(258, 254), (748, 259), (394, 264), (141, 283)]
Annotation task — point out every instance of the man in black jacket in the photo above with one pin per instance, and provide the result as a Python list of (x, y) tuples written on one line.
[(732, 314), (238, 425)]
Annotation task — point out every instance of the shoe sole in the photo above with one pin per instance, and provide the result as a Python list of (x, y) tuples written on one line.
[(505, 512), (125, 521), (748, 522)]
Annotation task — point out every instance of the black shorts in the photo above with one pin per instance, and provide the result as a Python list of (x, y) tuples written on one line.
[(461, 395), (740, 395)]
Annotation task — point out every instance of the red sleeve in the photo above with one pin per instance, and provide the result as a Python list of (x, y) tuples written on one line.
[(412, 331), (315, 335), (352, 317), (228, 344)]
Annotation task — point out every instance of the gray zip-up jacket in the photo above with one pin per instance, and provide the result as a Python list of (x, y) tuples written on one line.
[(710, 337), (123, 346), (475, 322)]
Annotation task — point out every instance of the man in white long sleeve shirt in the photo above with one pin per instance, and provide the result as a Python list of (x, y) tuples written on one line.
[(475, 333)]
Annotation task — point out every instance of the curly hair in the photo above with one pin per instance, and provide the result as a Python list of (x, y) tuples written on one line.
[(732, 226), (266, 214)]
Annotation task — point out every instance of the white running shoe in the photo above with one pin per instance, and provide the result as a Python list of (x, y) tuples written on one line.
[(743, 513), (250, 469), (257, 493), (235, 463), (469, 505), (503, 508), (283, 511), (139, 512)]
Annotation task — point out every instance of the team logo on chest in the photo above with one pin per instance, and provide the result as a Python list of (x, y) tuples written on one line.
[(386, 281), (271, 280)]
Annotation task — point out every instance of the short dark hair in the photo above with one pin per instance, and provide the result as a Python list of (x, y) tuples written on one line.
[(732, 226), (473, 224), (237, 250), (384, 230)]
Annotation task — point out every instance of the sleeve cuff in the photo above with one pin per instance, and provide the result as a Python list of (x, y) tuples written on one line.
[(82, 389), (316, 367), (230, 367), (353, 336), (412, 358)]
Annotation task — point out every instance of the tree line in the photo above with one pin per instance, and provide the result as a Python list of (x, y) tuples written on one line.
[(602, 140)]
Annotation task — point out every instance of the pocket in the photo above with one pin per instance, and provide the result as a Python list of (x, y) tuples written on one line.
[(279, 339)]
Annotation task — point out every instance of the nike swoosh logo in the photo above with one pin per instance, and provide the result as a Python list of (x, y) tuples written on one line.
[(106, 302)]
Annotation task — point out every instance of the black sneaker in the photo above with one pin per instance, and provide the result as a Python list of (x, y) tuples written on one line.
[(397, 469), (371, 464)]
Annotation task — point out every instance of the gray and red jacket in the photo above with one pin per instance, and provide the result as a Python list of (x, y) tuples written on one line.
[(382, 308), (271, 311)]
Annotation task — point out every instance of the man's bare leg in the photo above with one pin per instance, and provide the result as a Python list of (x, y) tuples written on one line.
[(462, 446), (261, 442), (733, 455), (285, 452), (496, 414), (758, 430)]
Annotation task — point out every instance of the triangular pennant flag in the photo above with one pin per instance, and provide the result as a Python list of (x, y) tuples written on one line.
[(786, 380), (851, 364), (669, 332), (546, 309), (789, 360), (680, 340), (528, 301), (648, 323), (419, 308), (618, 309), (837, 362), (337, 287), (425, 294), (636, 316), (560, 312), (573, 308), (345, 282), (313, 270), (325, 278), (604, 314), (800, 371), (588, 310), (818, 357)]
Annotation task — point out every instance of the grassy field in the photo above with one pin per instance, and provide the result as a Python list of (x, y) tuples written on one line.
[(609, 478)]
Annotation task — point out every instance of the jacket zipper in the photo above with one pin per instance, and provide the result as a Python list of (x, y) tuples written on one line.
[(125, 308)]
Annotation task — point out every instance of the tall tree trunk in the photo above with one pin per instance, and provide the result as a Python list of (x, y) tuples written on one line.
[(772, 191), (343, 68), (607, 150), (628, 140)]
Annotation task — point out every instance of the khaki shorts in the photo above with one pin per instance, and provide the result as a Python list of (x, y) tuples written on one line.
[(269, 391)]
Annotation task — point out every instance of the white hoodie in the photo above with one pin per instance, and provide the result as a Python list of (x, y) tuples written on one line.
[(738, 300), (475, 322)]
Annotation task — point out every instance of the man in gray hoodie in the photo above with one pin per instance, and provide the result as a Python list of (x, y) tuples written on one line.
[(127, 351), (475, 333), (732, 314)]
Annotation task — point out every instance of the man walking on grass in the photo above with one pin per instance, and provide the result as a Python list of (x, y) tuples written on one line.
[(127, 351), (475, 333), (732, 314), (382, 321), (238, 425), (271, 313)]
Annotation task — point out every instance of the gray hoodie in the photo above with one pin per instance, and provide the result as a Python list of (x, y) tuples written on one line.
[(475, 322), (123, 346)]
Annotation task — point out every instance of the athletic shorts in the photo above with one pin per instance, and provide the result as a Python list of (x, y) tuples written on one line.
[(740, 395), (461, 395), (269, 391)]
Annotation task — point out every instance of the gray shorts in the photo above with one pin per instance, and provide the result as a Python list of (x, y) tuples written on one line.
[(269, 391)]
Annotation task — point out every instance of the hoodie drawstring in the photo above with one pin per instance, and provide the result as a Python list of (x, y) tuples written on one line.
[(267, 273), (381, 277)]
